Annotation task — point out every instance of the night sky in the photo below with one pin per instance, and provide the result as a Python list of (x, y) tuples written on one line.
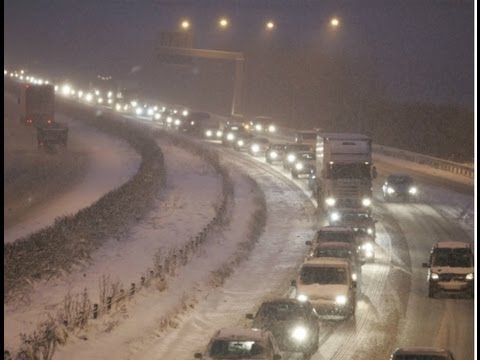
[(418, 50)]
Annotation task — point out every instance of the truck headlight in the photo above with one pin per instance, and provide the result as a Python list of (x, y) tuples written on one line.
[(299, 333), (255, 148), (335, 216), (302, 297), (341, 300), (299, 166), (366, 202), (390, 190), (434, 276), (412, 190), (330, 201), (272, 128), (273, 155), (291, 158), (469, 276), (208, 133)]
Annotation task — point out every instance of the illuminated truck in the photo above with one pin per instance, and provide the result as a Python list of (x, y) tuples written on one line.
[(343, 178), (37, 104)]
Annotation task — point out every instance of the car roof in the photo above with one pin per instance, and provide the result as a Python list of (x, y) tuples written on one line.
[(326, 261), (238, 333), (344, 136), (283, 301), (420, 350), (451, 244)]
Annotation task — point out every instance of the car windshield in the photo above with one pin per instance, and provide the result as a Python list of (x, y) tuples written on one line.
[(294, 148), (307, 156), (400, 180), (420, 357), (337, 253), (452, 258), (323, 275), (349, 171), (281, 311), (334, 236), (233, 349)]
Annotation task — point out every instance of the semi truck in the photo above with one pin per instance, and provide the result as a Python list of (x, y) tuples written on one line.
[(344, 173), (37, 104), (52, 136)]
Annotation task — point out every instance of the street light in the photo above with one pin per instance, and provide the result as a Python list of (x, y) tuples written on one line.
[(185, 24), (270, 25), (223, 22), (334, 22)]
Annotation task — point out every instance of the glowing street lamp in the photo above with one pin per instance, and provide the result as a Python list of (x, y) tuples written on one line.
[(270, 25), (185, 24), (223, 22)]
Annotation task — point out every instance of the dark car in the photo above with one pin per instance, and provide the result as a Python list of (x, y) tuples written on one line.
[(305, 164), (354, 218), (258, 146), (421, 353), (275, 153), (290, 154), (399, 187), (293, 323), (230, 133), (242, 141)]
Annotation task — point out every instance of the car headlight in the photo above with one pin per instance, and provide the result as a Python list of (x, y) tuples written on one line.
[(367, 247), (469, 276), (177, 122), (272, 128), (299, 333), (341, 300), (412, 190), (369, 231), (258, 127), (299, 166), (219, 134), (255, 148), (273, 155), (434, 276), (390, 190), (291, 157), (335, 216), (230, 137), (354, 277), (330, 201), (366, 202), (157, 116), (208, 133), (240, 142), (302, 297), (169, 120)]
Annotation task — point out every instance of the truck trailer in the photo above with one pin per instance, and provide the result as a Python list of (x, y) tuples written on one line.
[(37, 104), (52, 136), (344, 175)]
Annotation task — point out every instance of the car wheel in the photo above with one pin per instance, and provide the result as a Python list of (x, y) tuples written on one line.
[(431, 291)]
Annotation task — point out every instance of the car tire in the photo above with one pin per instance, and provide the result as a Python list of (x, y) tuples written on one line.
[(431, 291)]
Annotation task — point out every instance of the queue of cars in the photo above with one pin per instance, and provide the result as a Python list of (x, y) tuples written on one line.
[(329, 280)]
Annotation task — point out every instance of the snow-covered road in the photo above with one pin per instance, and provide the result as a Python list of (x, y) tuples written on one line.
[(393, 309), (112, 162)]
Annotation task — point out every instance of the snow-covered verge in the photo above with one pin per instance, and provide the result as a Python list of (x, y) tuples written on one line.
[(73, 238)]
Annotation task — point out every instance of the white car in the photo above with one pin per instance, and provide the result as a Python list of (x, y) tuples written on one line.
[(240, 344), (450, 269), (328, 284)]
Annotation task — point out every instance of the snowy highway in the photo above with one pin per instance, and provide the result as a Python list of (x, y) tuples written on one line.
[(392, 305)]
